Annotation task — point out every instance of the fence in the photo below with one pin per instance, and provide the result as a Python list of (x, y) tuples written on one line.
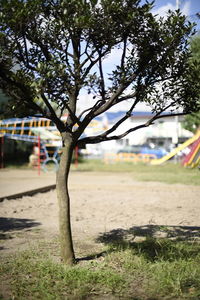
[(128, 157)]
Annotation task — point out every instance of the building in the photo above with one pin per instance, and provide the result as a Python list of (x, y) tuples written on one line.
[(166, 132)]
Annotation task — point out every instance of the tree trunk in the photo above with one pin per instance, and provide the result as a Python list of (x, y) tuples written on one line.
[(66, 243)]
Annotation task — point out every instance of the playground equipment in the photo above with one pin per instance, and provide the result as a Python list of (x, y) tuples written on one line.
[(193, 158), (177, 150), (39, 131), (42, 132)]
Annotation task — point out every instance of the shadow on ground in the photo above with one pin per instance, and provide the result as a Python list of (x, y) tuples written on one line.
[(153, 241), (180, 233), (7, 225)]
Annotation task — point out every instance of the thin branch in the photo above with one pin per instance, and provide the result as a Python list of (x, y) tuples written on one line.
[(101, 138), (26, 50), (113, 98), (45, 100), (38, 42), (104, 136), (127, 97), (102, 84), (150, 122), (164, 79), (21, 57), (69, 54), (93, 62), (103, 106), (124, 53), (60, 125), (96, 105), (91, 108), (73, 117), (119, 122), (88, 58)]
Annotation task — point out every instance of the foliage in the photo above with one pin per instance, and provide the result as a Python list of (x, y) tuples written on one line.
[(195, 48), (3, 100), (151, 269), (51, 51), (192, 122)]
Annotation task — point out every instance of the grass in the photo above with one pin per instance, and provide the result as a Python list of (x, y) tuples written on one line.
[(150, 270), (169, 172)]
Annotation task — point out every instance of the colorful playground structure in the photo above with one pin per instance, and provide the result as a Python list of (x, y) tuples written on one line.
[(192, 159), (45, 137), (38, 131)]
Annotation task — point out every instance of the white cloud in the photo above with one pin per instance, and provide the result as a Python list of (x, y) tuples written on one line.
[(113, 58), (162, 11), (186, 8)]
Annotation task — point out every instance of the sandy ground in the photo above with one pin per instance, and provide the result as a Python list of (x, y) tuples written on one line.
[(104, 206)]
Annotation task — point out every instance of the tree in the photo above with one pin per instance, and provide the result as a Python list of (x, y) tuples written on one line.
[(53, 50), (192, 121)]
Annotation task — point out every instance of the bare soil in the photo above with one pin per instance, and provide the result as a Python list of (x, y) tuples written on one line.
[(104, 206)]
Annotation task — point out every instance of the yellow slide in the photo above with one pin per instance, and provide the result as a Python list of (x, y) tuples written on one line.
[(176, 150)]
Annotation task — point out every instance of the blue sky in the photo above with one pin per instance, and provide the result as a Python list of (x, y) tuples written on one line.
[(188, 7)]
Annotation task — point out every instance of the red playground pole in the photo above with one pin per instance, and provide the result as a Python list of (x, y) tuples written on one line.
[(76, 156), (39, 147), (2, 152)]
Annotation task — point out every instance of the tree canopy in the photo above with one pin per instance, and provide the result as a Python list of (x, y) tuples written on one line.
[(51, 51)]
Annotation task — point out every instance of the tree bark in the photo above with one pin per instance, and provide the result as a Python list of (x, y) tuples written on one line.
[(66, 243)]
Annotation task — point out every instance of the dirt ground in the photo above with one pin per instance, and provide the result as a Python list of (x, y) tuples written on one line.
[(104, 206)]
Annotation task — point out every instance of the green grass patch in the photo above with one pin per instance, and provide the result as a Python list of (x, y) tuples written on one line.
[(169, 172), (153, 269), (34, 276)]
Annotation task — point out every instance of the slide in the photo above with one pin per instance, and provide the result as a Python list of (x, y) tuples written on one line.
[(176, 150), (196, 158), (190, 156)]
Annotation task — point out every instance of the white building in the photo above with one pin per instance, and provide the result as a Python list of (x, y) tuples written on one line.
[(165, 132)]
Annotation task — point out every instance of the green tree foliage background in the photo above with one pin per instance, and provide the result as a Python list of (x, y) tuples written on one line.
[(192, 121)]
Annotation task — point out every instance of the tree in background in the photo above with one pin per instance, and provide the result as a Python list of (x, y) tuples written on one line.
[(192, 121), (52, 51)]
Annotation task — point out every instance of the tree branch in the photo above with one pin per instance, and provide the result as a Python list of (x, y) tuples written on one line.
[(113, 98), (93, 62), (118, 123), (102, 84), (104, 136), (53, 116), (89, 56), (124, 53), (73, 117), (91, 108), (45, 100)]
